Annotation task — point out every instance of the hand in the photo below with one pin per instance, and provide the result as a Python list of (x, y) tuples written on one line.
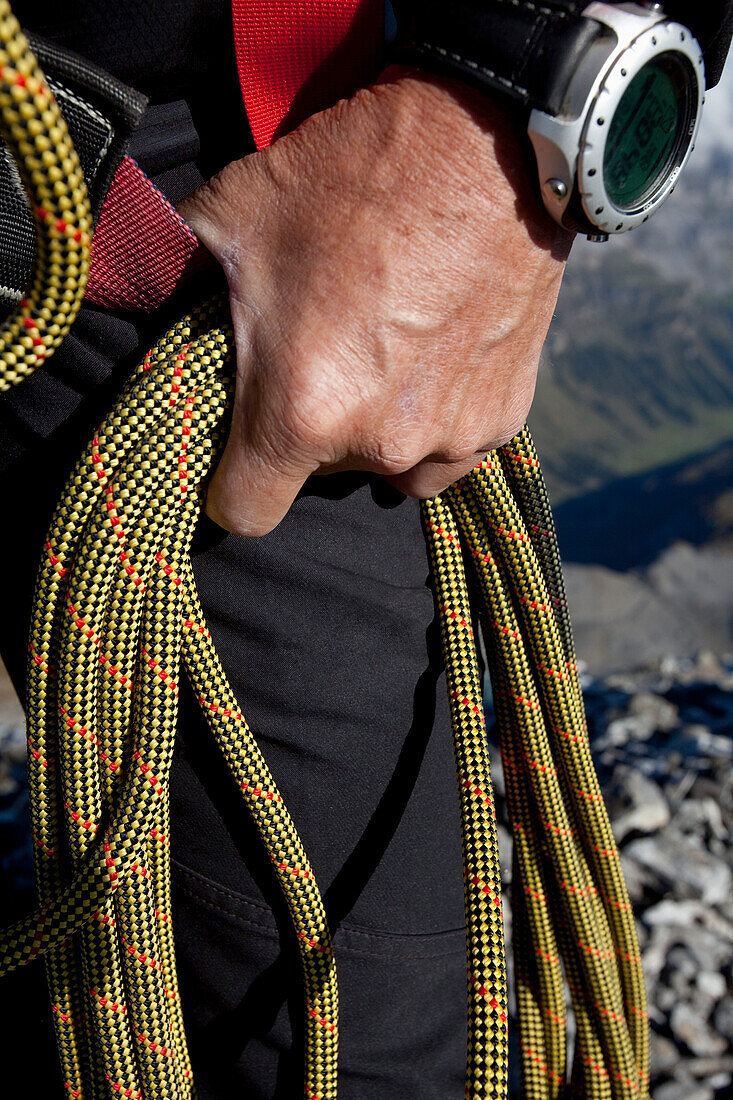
[(392, 276)]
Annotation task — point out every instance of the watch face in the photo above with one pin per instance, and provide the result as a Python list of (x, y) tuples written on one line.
[(650, 131)]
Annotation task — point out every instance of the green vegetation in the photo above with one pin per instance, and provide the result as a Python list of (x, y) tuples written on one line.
[(638, 373)]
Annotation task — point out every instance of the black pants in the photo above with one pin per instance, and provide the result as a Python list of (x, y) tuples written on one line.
[(326, 630)]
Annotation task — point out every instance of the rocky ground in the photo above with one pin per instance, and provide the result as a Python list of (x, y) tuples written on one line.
[(681, 603), (663, 742)]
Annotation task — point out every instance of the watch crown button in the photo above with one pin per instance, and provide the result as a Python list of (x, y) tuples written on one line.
[(558, 187)]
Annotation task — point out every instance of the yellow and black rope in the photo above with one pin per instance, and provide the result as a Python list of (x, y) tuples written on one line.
[(115, 615), (36, 136)]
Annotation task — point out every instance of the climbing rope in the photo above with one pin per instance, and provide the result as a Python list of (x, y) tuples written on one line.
[(37, 139), (116, 617)]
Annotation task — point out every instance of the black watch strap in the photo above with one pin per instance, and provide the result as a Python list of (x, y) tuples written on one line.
[(527, 51)]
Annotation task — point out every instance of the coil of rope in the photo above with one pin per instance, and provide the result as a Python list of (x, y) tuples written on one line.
[(116, 614)]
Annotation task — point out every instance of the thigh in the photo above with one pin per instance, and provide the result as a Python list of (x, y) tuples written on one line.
[(326, 630), (402, 1011)]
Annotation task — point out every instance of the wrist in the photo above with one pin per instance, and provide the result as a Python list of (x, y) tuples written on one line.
[(612, 95), (476, 140)]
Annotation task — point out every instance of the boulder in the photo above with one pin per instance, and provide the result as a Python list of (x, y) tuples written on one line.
[(689, 1027)]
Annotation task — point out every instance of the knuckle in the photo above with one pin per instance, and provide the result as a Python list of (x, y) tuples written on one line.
[(458, 453), (503, 423), (310, 424), (508, 430), (394, 456), (516, 415)]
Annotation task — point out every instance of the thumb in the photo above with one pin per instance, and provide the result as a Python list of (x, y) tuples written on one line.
[(254, 484)]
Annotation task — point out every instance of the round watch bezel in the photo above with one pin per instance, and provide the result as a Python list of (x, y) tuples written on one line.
[(660, 38)]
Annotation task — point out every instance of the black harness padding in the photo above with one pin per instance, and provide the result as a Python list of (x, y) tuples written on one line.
[(101, 113)]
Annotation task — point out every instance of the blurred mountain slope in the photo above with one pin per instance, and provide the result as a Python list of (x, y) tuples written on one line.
[(629, 522), (638, 372), (638, 369)]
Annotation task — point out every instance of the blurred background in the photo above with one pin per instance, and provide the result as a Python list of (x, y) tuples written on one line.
[(633, 420)]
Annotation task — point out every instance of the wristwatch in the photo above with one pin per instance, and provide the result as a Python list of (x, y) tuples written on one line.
[(614, 91)]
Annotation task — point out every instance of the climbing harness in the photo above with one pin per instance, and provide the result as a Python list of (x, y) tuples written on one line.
[(115, 615)]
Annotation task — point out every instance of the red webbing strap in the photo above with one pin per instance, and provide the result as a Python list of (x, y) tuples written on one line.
[(141, 247), (296, 57)]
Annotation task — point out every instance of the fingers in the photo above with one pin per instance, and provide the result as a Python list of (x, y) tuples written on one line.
[(259, 474), (251, 492), (428, 478), (250, 498)]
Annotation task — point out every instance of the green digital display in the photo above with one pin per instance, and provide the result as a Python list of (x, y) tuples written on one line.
[(646, 131)]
